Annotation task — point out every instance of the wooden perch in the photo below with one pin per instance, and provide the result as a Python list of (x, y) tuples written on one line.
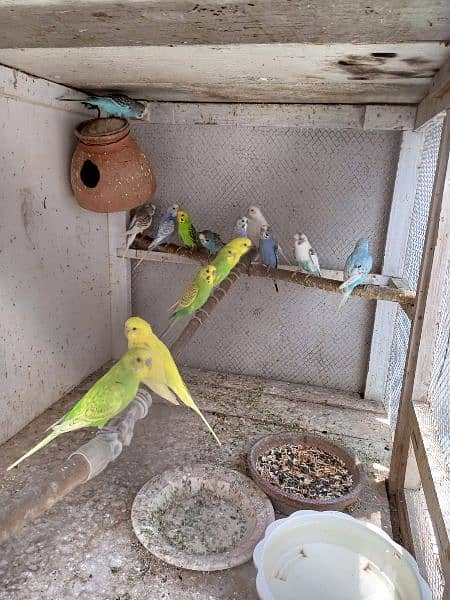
[(201, 315), (402, 295), (81, 466)]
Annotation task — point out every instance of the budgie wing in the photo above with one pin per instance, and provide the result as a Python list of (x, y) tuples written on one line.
[(189, 296), (107, 398), (192, 232), (132, 223), (314, 258), (348, 266)]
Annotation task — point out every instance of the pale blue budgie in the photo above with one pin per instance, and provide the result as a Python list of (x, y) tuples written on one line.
[(256, 220), (115, 105), (357, 267), (305, 255), (240, 229), (141, 221), (210, 241), (166, 227), (268, 249)]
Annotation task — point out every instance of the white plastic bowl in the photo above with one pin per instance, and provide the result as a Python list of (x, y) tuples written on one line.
[(332, 556)]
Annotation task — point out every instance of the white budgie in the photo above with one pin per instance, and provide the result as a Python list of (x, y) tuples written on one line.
[(305, 255)]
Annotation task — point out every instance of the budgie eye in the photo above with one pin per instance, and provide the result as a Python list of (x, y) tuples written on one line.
[(138, 360), (134, 328)]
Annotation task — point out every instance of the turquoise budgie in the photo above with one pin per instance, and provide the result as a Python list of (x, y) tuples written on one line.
[(115, 105), (356, 269)]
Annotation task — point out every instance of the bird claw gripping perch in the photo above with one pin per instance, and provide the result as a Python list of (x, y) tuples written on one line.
[(109, 441)]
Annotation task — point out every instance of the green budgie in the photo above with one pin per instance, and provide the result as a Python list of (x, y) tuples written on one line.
[(229, 256), (109, 396), (186, 230), (195, 295)]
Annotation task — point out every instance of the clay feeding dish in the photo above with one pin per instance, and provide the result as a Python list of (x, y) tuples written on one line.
[(201, 517), (289, 466)]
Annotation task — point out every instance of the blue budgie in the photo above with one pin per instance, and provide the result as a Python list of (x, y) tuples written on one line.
[(166, 228), (241, 226), (256, 220), (210, 241), (357, 267), (305, 255), (114, 105), (268, 249)]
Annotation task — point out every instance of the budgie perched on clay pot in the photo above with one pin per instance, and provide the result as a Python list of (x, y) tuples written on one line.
[(186, 230), (210, 241), (141, 221), (268, 250), (305, 255), (115, 105), (164, 375), (194, 296), (228, 257), (357, 267), (108, 397)]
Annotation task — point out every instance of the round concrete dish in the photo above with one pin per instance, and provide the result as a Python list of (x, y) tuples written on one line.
[(201, 517), (286, 502)]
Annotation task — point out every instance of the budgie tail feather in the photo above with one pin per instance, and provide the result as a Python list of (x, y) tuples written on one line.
[(347, 288), (51, 436), (187, 399)]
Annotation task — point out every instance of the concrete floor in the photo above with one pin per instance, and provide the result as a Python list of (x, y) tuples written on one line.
[(85, 546)]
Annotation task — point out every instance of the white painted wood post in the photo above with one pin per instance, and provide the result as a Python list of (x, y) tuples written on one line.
[(120, 282), (394, 256)]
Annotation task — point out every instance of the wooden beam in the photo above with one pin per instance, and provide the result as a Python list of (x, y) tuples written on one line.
[(438, 98), (248, 73), (369, 291), (47, 23), (120, 284), (331, 116), (436, 244), (394, 256), (401, 284), (434, 474)]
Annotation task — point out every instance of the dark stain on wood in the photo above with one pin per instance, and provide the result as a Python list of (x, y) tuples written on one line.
[(376, 65)]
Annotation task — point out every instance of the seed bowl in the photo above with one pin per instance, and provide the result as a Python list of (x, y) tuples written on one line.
[(302, 471), (201, 517)]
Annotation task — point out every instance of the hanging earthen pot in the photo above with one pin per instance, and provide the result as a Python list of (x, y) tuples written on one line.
[(109, 172)]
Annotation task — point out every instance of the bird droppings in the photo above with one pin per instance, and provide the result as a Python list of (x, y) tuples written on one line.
[(203, 523), (306, 472)]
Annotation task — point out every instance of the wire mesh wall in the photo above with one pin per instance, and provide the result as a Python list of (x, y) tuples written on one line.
[(411, 267), (425, 546), (334, 185)]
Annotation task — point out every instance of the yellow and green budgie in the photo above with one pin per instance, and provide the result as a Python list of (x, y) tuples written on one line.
[(186, 230), (229, 256), (164, 374), (109, 396), (194, 296)]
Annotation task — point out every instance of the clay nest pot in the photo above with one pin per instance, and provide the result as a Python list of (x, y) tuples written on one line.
[(286, 502)]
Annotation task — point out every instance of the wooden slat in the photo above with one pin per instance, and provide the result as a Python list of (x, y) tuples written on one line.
[(262, 73), (438, 97), (331, 116), (402, 284), (436, 244), (109, 23), (120, 282), (434, 474), (394, 256)]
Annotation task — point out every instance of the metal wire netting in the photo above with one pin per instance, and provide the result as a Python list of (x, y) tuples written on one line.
[(411, 267), (425, 546), (439, 391)]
